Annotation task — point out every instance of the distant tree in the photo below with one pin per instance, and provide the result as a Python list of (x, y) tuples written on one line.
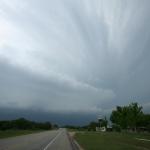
[(5, 125), (135, 115), (24, 124), (144, 122), (127, 116), (92, 126), (120, 116)]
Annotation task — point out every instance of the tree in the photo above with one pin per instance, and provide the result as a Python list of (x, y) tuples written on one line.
[(92, 126), (24, 124), (120, 116), (127, 116), (135, 115)]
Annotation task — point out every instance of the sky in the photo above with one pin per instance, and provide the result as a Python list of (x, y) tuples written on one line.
[(73, 59)]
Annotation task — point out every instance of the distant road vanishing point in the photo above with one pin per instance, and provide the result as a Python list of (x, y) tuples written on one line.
[(47, 140)]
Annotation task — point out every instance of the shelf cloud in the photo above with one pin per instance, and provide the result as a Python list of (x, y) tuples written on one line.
[(74, 56)]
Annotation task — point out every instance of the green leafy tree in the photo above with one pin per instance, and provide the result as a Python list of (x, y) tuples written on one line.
[(127, 116), (120, 116), (135, 115)]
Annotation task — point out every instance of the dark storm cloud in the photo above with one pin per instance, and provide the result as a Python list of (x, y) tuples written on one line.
[(74, 56)]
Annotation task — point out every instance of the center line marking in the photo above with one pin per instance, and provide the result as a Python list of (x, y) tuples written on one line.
[(52, 140)]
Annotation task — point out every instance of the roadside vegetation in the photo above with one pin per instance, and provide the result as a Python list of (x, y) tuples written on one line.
[(130, 117), (127, 129), (12, 133), (112, 141), (124, 118), (21, 126)]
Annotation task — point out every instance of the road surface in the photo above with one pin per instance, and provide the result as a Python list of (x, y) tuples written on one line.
[(47, 140)]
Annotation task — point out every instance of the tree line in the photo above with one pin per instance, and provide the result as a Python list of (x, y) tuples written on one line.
[(24, 124), (90, 127), (130, 117)]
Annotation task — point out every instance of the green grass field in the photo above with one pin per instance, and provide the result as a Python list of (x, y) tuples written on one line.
[(112, 141), (11, 133)]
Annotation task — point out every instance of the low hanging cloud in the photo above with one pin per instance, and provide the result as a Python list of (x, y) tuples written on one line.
[(30, 91), (74, 56)]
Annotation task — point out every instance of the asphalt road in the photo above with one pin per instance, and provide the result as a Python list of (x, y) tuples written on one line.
[(47, 140)]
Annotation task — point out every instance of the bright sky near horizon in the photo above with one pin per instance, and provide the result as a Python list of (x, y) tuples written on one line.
[(74, 55)]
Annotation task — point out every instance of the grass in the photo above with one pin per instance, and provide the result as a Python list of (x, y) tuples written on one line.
[(112, 141), (12, 133)]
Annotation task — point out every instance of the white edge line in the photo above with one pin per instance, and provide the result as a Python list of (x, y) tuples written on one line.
[(142, 139), (52, 141)]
